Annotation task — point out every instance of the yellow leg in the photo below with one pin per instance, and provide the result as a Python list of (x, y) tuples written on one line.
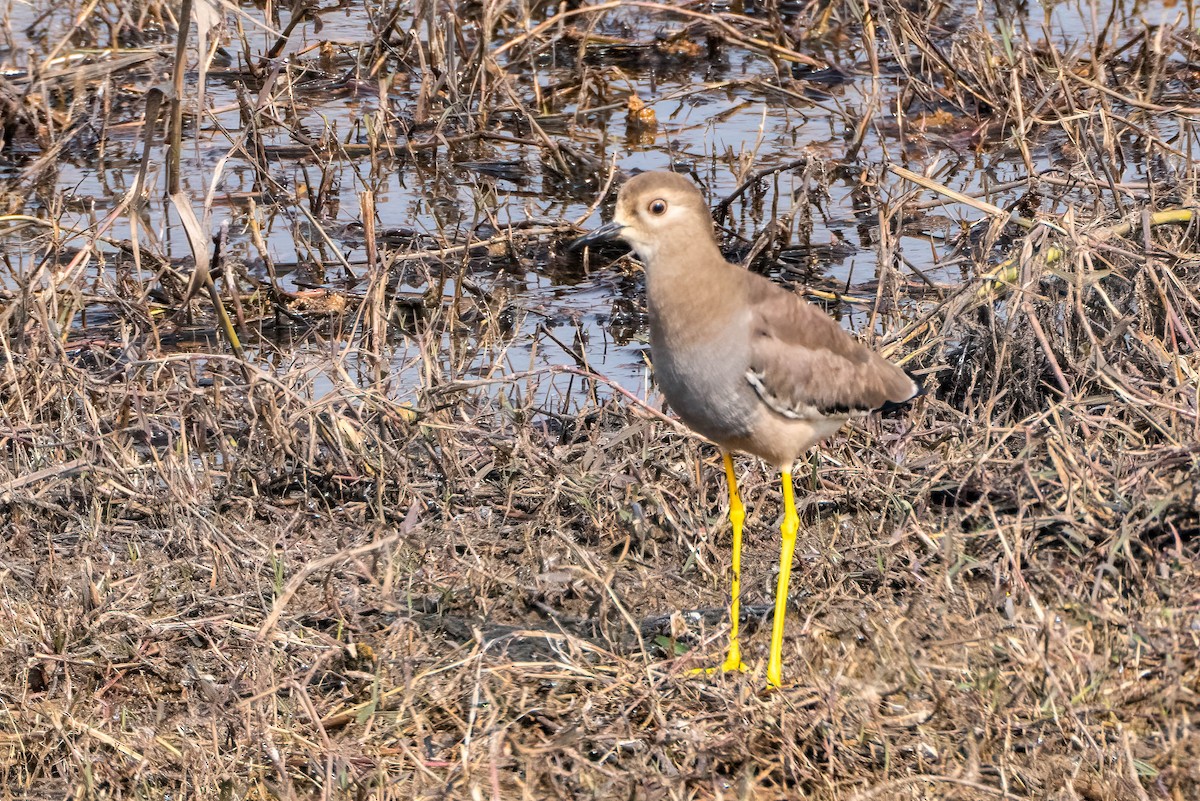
[(791, 524), (737, 516)]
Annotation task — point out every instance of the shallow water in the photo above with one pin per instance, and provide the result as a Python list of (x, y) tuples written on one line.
[(722, 112)]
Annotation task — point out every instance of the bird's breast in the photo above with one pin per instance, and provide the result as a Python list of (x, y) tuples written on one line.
[(703, 380)]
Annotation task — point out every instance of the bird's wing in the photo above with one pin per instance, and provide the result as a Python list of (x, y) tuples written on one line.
[(804, 366)]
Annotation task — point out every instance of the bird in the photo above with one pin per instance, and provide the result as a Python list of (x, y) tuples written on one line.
[(743, 362)]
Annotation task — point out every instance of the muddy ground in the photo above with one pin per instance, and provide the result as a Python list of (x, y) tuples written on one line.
[(413, 524)]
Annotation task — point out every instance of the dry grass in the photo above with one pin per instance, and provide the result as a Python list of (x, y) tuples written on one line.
[(287, 576)]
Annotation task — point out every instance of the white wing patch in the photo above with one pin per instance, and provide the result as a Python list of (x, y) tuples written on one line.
[(792, 411)]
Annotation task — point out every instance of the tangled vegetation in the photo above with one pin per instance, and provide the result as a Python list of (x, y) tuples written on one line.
[(329, 522)]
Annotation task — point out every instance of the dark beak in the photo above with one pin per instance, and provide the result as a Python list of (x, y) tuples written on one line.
[(605, 233)]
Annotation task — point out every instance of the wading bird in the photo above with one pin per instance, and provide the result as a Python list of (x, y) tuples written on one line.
[(744, 362)]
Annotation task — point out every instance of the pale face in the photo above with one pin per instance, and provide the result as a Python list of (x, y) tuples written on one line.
[(654, 209), (648, 219), (659, 212)]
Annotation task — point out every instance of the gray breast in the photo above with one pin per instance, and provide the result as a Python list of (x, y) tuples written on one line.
[(704, 382)]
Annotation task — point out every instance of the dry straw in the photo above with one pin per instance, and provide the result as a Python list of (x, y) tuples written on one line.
[(225, 578)]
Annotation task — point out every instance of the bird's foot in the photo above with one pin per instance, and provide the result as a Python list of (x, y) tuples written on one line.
[(774, 677), (733, 664)]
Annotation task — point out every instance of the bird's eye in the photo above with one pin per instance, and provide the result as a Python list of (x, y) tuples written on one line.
[(658, 207)]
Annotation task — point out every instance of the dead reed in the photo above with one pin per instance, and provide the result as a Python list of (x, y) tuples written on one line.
[(353, 542)]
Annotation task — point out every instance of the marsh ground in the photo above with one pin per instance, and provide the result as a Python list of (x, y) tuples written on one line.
[(424, 531)]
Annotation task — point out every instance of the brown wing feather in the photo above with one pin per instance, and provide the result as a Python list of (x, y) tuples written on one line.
[(804, 365)]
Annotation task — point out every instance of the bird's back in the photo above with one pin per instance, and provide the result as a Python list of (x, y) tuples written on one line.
[(811, 364)]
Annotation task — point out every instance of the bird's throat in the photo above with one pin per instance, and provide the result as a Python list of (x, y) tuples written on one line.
[(689, 306)]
